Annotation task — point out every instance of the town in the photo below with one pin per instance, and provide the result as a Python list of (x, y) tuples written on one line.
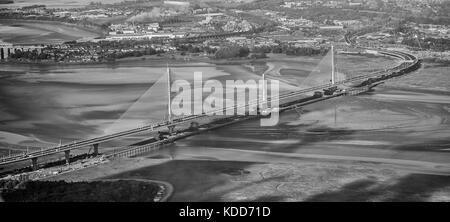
[(174, 29)]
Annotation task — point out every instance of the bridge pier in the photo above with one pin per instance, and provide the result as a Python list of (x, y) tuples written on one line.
[(34, 163), (67, 156), (95, 149), (171, 129), (4, 53)]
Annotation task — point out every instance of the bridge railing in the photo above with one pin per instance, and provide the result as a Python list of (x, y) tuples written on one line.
[(134, 151)]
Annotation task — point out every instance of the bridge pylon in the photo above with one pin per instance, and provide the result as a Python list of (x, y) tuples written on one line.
[(333, 81), (169, 103)]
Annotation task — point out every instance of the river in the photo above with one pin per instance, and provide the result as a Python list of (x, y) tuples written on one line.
[(383, 144)]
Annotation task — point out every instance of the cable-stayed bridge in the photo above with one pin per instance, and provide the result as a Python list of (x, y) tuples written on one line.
[(165, 121)]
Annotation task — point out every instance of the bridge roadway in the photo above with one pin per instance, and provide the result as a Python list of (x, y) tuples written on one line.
[(409, 60)]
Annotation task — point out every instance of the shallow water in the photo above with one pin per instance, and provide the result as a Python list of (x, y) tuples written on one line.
[(46, 104)]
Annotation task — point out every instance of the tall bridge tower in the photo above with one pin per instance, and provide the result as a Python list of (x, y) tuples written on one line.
[(333, 81)]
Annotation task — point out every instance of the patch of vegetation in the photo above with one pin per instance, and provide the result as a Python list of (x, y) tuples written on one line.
[(292, 50), (96, 191), (438, 62), (436, 44), (232, 52)]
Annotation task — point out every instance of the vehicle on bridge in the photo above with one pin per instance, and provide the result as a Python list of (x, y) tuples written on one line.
[(330, 91), (318, 94)]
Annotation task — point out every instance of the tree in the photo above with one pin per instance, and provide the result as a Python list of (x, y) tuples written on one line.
[(234, 51)]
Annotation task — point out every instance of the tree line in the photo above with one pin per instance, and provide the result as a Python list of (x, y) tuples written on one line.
[(435, 44)]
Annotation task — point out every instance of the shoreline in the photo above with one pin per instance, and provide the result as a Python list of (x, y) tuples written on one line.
[(158, 59), (165, 187), (124, 63)]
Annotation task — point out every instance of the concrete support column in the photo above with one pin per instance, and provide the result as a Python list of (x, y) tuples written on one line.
[(171, 129), (5, 53), (67, 156), (34, 163), (95, 149)]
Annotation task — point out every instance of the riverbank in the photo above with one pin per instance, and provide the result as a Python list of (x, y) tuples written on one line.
[(155, 60)]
